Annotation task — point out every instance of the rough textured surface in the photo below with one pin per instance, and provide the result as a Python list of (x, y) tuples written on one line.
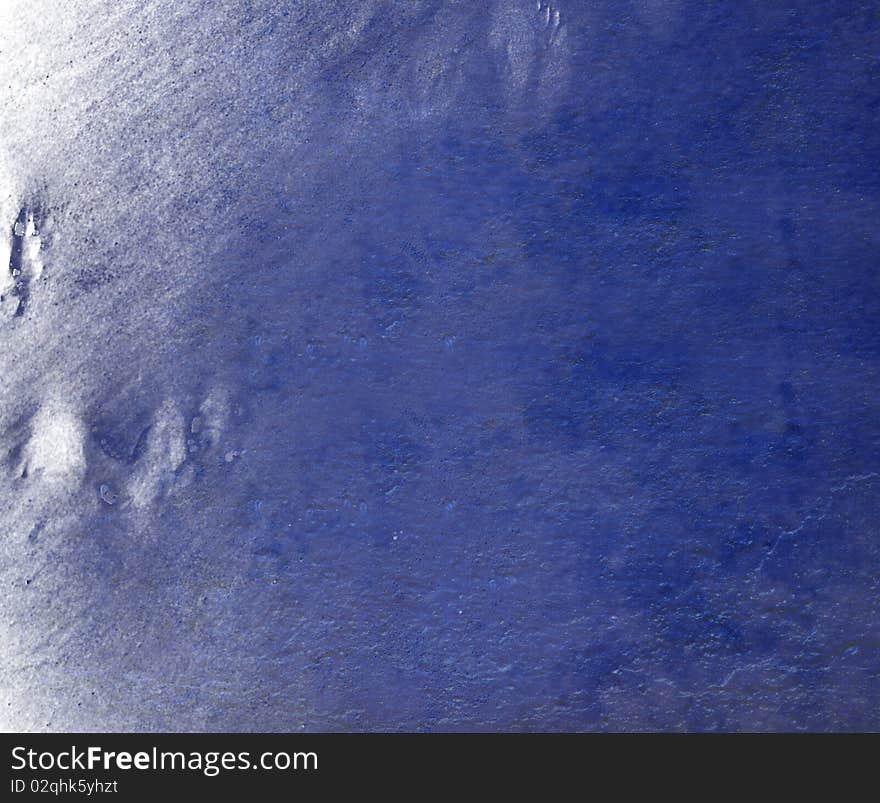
[(439, 365)]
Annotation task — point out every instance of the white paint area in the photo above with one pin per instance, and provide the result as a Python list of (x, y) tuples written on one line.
[(32, 263), (55, 450), (534, 46), (166, 451)]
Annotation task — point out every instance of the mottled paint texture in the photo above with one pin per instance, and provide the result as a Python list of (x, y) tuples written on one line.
[(440, 365)]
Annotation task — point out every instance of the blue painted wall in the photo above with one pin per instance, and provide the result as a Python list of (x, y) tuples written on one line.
[(551, 394)]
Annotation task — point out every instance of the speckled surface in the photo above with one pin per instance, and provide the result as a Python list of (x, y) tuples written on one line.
[(440, 366)]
